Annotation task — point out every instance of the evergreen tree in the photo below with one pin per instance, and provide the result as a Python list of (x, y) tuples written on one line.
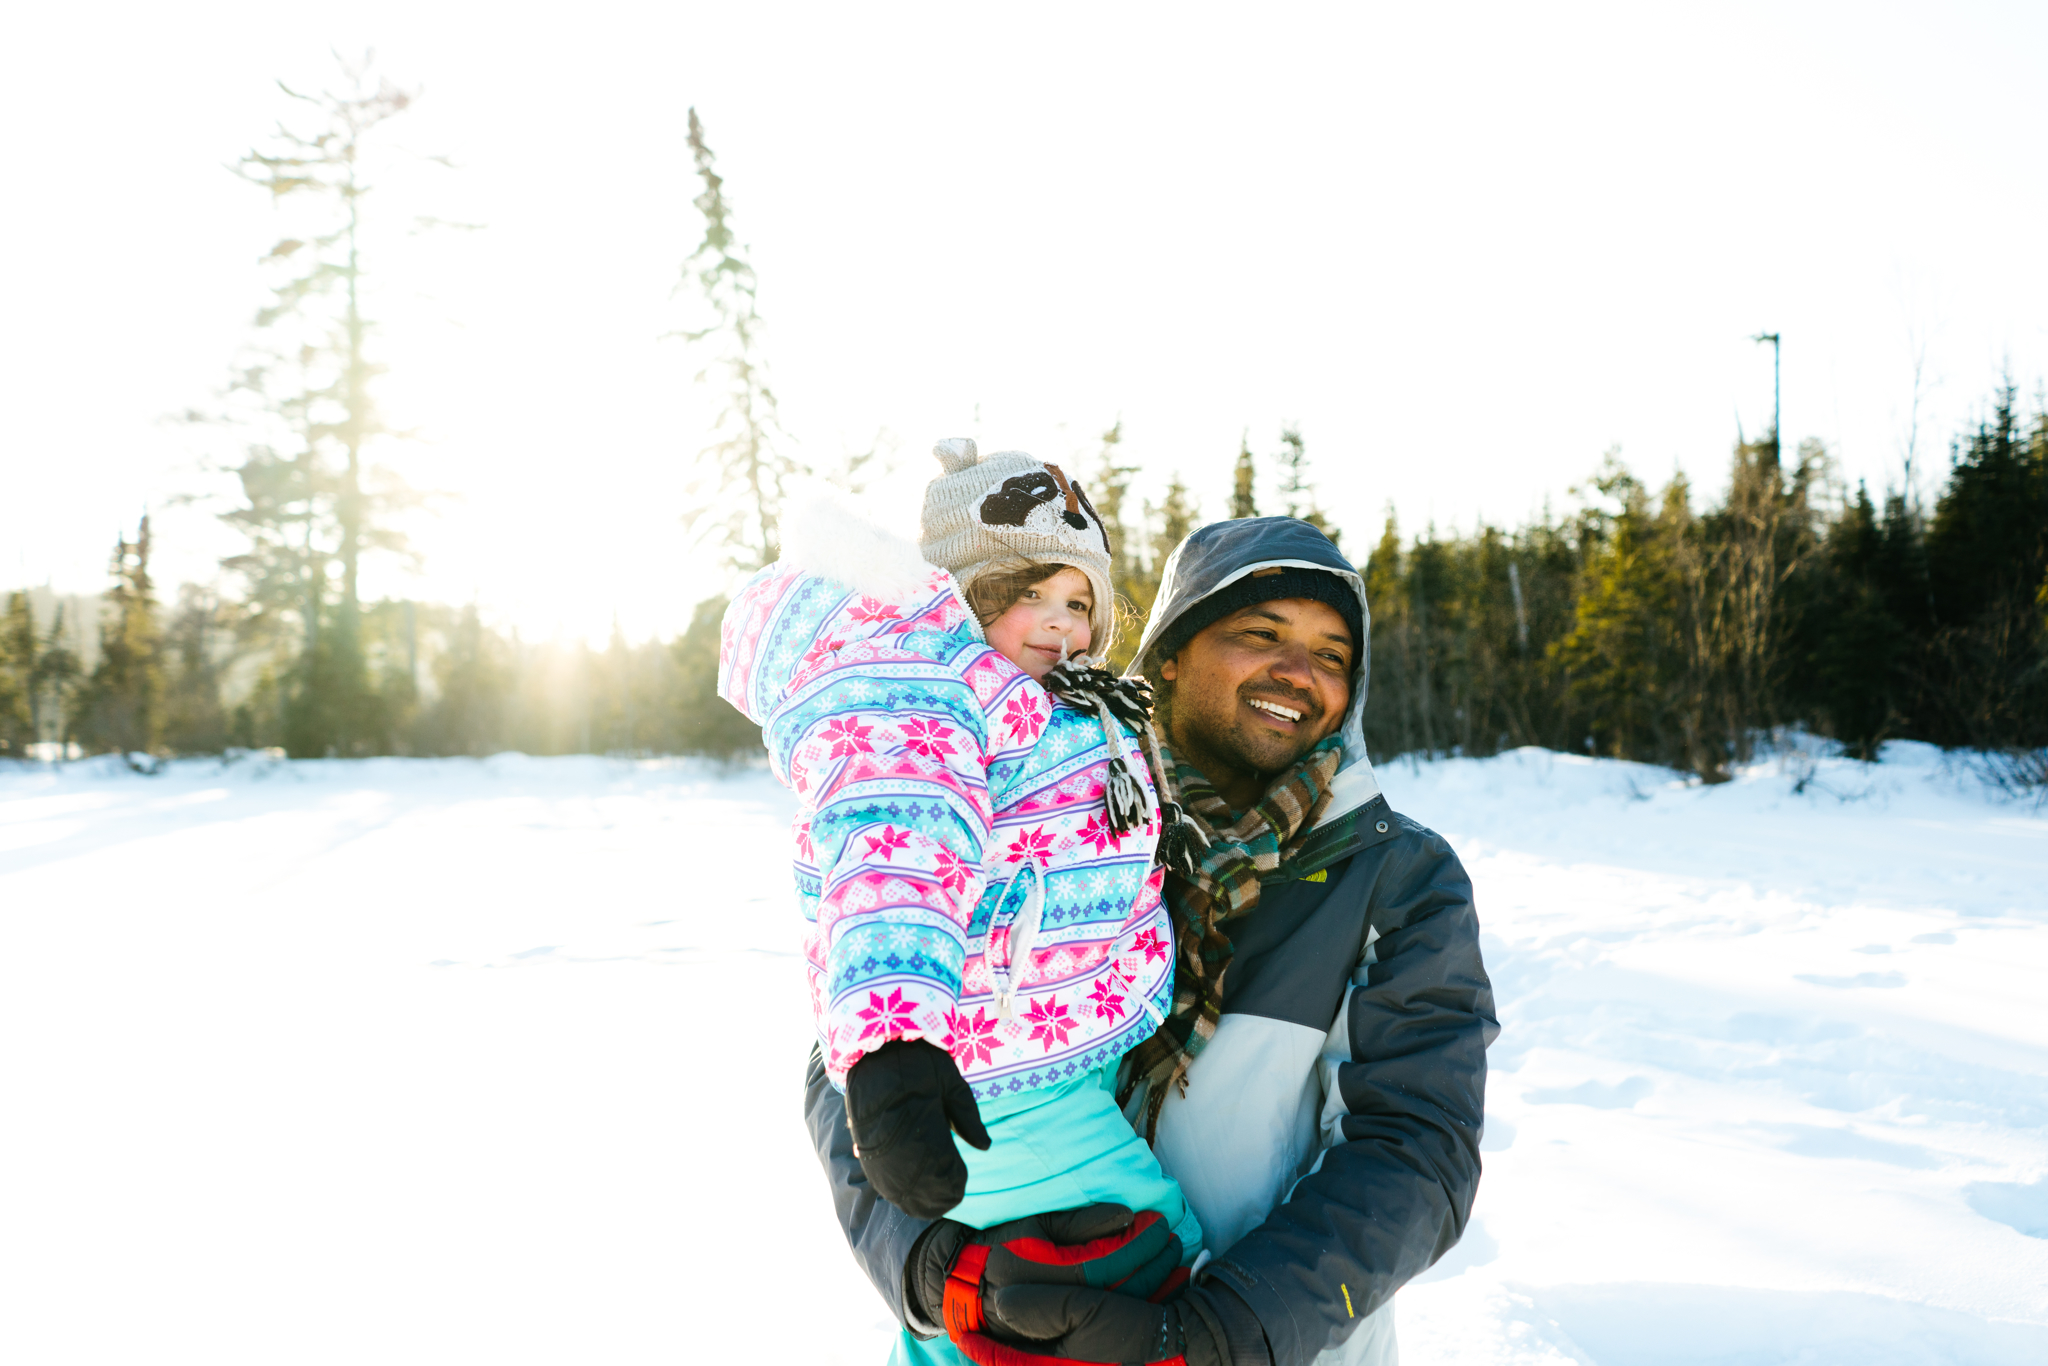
[(17, 677), (258, 718), (1987, 558), (53, 682), (1173, 521), (391, 657), (1164, 526), (1463, 631), (1297, 490), (197, 642), (474, 677), (121, 706), (283, 570), (312, 514), (708, 723), (1634, 650), (1748, 588), (1112, 488), (1862, 650), (746, 468), (1543, 567), (621, 703), (1130, 578), (1869, 627), (1242, 503), (1391, 716)]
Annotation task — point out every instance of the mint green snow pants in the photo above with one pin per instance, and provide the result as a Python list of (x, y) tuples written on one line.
[(1054, 1149)]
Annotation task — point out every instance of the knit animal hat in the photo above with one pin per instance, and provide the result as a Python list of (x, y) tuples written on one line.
[(1009, 510)]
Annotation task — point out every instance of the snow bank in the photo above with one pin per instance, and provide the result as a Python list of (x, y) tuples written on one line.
[(440, 1060), (1773, 1077)]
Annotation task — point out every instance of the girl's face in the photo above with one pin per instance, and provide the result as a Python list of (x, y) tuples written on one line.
[(1051, 612)]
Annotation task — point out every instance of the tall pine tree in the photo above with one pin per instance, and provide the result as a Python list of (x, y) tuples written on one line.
[(120, 707), (195, 648), (1987, 564), (1297, 489), (17, 677), (314, 504), (1633, 652), (1863, 646), (746, 468), (1242, 501)]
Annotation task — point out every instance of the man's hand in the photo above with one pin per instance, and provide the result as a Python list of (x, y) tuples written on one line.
[(904, 1101), (954, 1269), (1050, 1325)]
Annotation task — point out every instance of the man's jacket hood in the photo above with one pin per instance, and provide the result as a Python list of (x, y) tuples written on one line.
[(1219, 555)]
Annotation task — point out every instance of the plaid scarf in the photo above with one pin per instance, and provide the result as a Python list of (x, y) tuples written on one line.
[(1223, 889)]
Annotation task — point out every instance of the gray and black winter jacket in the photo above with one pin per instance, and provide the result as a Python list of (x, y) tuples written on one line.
[(1329, 1136)]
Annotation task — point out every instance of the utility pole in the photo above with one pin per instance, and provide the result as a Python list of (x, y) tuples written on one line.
[(1776, 411)]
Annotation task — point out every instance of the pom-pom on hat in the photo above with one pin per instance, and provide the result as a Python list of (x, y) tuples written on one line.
[(1008, 510)]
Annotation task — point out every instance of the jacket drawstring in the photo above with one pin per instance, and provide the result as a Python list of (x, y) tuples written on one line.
[(1023, 930)]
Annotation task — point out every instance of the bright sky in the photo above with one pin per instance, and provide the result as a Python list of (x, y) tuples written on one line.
[(1466, 248)]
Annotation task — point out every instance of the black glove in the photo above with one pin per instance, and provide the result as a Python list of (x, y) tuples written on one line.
[(1051, 1325), (953, 1267), (903, 1103)]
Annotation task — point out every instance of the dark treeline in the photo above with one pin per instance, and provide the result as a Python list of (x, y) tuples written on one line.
[(1637, 626), (203, 677), (1643, 627)]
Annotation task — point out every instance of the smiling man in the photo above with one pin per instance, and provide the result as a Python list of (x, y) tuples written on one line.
[(1318, 1088)]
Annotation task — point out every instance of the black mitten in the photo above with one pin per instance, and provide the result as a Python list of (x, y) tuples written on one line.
[(904, 1101), (1046, 1325)]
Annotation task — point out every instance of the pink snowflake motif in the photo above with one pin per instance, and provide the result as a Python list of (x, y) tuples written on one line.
[(873, 609), (1152, 945), (848, 736), (1108, 1005), (1050, 1023), (820, 651), (952, 872), (971, 1041), (888, 842), (927, 738), (886, 1017), (1023, 718), (1099, 832), (1031, 844)]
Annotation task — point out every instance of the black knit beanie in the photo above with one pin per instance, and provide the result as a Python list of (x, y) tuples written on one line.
[(1292, 581)]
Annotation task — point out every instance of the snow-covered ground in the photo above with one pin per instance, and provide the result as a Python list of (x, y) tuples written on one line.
[(500, 1061)]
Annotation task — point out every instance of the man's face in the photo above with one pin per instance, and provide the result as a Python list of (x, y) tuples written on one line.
[(1257, 690)]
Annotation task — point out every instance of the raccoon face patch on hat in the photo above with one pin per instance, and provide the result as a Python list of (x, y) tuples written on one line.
[(1016, 500), (1009, 508)]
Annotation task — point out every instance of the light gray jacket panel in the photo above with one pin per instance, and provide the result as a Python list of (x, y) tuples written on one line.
[(1399, 1085)]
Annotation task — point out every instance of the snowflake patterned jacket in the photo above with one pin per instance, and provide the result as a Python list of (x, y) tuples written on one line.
[(936, 782)]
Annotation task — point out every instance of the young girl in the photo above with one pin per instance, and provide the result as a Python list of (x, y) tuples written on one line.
[(975, 857)]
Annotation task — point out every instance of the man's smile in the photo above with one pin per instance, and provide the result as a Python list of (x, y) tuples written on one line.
[(1287, 716)]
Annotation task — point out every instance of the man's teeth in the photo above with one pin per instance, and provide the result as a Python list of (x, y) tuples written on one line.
[(1288, 712)]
